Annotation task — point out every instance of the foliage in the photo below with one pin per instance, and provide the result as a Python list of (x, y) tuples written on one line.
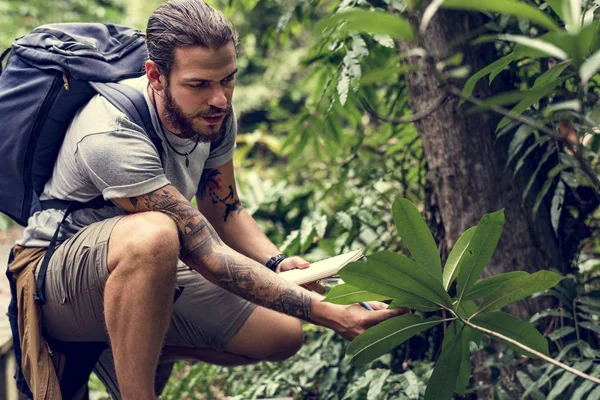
[(417, 283), (317, 371), (18, 18)]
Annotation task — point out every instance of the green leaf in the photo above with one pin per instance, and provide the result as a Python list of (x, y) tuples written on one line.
[(417, 236), (457, 253), (594, 394), (513, 328), (592, 326), (497, 65), (348, 294), (567, 379), (569, 11), (412, 303), (487, 286), (480, 250), (445, 374), (543, 86), (557, 205), (371, 22), (540, 196), (586, 386), (526, 382), (383, 337), (466, 334), (550, 313), (533, 177), (541, 140), (519, 288), (393, 275), (516, 144), (510, 7), (589, 68), (428, 14), (539, 45)]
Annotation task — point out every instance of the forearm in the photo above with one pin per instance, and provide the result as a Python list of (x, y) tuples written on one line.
[(203, 250), (242, 234)]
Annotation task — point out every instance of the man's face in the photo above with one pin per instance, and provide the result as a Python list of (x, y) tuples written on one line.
[(197, 97)]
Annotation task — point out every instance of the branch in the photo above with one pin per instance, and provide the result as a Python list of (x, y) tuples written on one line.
[(406, 120), (532, 351), (587, 170)]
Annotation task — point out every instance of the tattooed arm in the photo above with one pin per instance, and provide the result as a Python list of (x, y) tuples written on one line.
[(218, 200), (203, 250)]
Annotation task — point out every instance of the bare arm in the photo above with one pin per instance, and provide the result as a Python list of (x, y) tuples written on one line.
[(205, 252), (218, 200)]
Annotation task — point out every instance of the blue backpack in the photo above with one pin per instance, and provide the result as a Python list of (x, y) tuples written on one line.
[(49, 74)]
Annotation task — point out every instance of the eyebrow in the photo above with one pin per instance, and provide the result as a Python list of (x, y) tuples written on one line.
[(190, 80)]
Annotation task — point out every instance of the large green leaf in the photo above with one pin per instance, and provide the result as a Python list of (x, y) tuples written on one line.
[(519, 288), (393, 275), (372, 22), (466, 334), (457, 253), (487, 286), (413, 303), (348, 294), (510, 7), (480, 250), (513, 328), (415, 233), (445, 374), (383, 337)]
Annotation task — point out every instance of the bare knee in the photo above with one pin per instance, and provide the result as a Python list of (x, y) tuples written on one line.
[(293, 343), (149, 240), (290, 341)]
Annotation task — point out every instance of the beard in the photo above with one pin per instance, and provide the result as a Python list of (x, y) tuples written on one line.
[(184, 123)]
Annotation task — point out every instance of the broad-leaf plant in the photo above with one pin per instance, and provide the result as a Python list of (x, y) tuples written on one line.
[(420, 283)]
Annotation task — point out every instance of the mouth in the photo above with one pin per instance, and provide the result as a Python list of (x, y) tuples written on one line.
[(213, 119)]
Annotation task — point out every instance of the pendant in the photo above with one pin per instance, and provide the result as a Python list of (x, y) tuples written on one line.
[(187, 161)]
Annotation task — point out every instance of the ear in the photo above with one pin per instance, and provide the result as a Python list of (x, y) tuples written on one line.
[(155, 78)]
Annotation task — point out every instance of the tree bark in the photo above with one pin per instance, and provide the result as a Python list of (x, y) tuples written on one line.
[(466, 170)]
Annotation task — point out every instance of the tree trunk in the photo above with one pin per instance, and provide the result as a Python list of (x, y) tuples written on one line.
[(466, 169)]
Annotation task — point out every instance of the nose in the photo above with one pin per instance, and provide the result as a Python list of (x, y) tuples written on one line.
[(217, 97)]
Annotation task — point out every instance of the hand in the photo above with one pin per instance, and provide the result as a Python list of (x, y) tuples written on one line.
[(300, 263), (350, 321)]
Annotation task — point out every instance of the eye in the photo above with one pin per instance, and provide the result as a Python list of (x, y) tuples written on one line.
[(199, 85), (228, 79)]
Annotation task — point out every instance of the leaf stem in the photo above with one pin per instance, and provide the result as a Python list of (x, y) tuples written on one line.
[(532, 351)]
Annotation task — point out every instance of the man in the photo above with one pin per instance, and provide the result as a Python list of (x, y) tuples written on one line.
[(114, 275)]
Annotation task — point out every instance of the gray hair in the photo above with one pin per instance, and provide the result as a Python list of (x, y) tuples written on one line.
[(181, 23)]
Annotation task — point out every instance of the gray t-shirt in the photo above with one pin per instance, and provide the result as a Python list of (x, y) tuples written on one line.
[(104, 153)]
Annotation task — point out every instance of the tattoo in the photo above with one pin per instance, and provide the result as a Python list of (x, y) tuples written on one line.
[(210, 185), (133, 201), (202, 246), (262, 287)]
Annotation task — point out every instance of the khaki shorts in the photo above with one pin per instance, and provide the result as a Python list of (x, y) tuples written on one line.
[(204, 315)]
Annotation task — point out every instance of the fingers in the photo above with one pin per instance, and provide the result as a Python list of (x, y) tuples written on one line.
[(299, 263), (377, 305), (292, 263)]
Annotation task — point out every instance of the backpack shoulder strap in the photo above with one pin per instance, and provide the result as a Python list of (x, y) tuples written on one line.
[(132, 103)]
